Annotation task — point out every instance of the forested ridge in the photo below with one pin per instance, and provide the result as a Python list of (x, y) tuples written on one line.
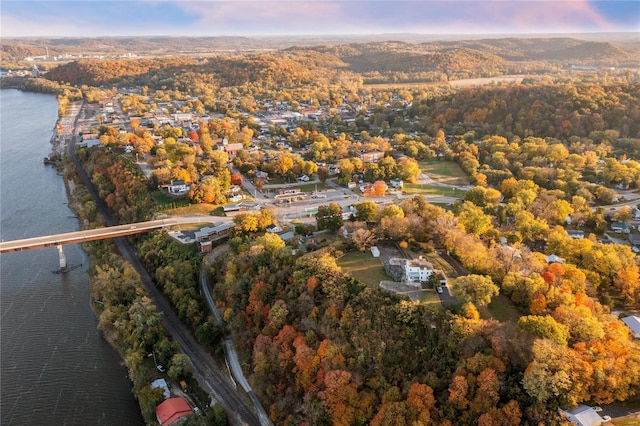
[(373, 62)]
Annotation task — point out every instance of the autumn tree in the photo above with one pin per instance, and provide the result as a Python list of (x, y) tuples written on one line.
[(544, 327), (366, 211), (363, 239), (477, 289)]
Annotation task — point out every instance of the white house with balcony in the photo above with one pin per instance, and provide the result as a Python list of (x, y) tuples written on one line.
[(418, 269)]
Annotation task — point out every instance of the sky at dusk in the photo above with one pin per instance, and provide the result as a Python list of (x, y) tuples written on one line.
[(90, 18)]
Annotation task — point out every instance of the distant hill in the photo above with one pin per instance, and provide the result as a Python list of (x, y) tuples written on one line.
[(14, 49), (546, 49), (233, 61)]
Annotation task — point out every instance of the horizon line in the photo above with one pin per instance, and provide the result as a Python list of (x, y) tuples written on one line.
[(322, 35)]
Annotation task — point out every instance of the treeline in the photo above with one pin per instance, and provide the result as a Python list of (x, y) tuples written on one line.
[(543, 110), (269, 71), (129, 319)]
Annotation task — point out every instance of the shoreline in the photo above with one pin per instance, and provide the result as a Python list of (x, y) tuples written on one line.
[(60, 147)]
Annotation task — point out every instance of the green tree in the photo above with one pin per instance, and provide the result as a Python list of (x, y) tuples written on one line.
[(477, 289), (366, 211), (545, 327), (329, 217), (179, 366)]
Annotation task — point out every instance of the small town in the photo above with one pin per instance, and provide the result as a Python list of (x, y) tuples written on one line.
[(364, 232)]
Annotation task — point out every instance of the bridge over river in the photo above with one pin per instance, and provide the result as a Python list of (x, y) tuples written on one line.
[(58, 240)]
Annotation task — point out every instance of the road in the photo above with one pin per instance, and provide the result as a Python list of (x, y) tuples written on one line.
[(229, 350), (205, 369)]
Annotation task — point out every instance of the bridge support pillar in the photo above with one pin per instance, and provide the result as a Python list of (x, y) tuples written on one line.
[(63, 258)]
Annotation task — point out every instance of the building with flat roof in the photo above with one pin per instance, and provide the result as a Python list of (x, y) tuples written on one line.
[(583, 415), (633, 322)]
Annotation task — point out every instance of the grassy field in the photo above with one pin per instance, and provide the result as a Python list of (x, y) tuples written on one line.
[(432, 190), (503, 309), (363, 267), (192, 209), (429, 297), (448, 172), (442, 167), (165, 201), (627, 422)]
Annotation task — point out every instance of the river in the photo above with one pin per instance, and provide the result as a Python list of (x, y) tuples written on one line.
[(55, 366)]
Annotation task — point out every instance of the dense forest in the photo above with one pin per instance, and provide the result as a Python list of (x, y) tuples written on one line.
[(326, 349)]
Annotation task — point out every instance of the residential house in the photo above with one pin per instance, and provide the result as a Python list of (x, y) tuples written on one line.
[(371, 156), (170, 410), (552, 258), (286, 236), (262, 175), (409, 271), (418, 269), (633, 322), (232, 149), (575, 233), (273, 228), (620, 227), (178, 186), (162, 384), (396, 183)]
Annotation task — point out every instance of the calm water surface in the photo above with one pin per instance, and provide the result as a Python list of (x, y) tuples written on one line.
[(56, 368)]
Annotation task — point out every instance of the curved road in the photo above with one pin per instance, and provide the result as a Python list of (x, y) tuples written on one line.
[(230, 352), (205, 370)]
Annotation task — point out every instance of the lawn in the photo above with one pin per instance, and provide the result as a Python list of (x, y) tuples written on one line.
[(432, 190), (192, 209), (442, 168), (363, 267), (429, 297), (503, 309), (627, 422), (165, 201)]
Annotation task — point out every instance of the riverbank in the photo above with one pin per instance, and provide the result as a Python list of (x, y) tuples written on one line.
[(69, 174)]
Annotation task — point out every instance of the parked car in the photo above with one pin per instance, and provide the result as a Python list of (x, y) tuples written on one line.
[(440, 290)]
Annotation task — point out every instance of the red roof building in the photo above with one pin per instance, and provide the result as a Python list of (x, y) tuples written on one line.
[(170, 410)]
